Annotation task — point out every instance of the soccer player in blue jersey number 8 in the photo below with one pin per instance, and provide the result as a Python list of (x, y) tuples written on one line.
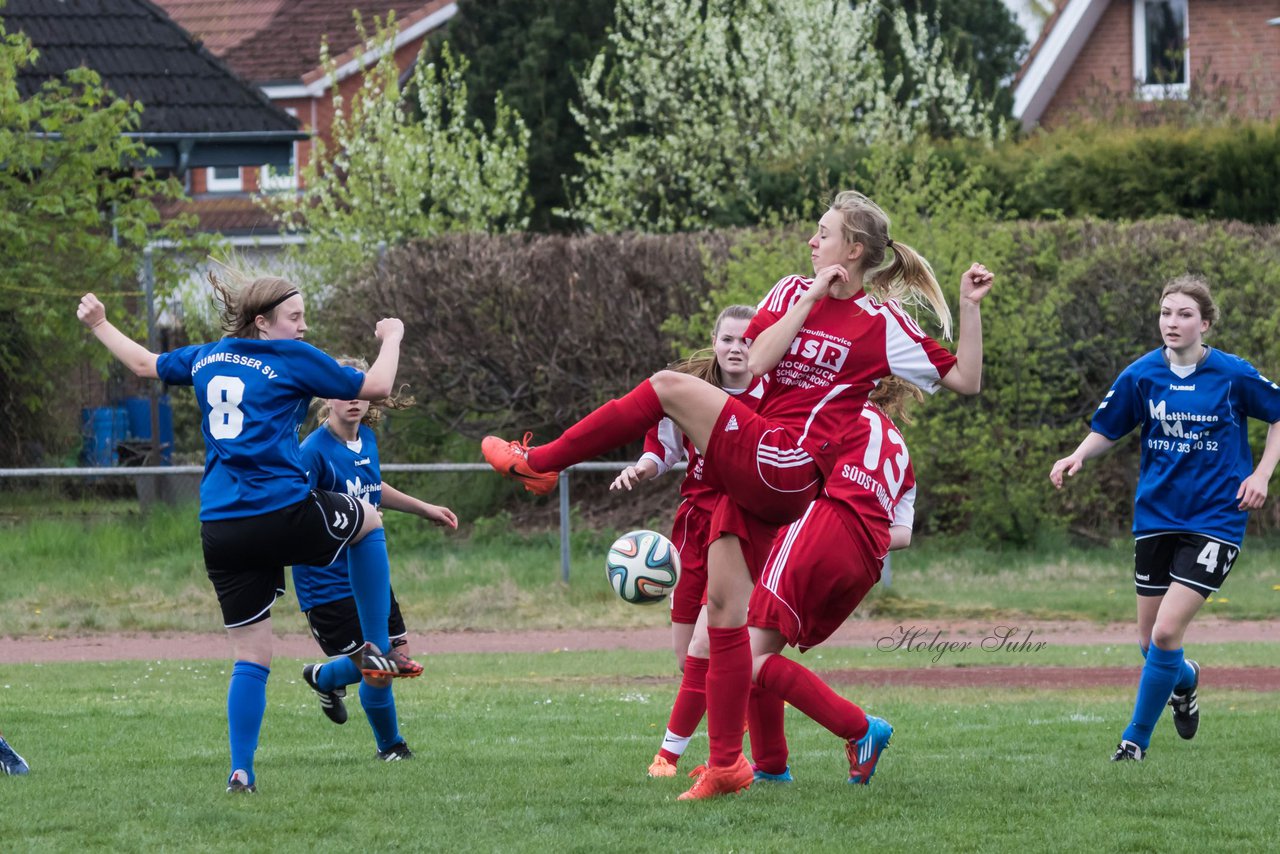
[(342, 456), (1196, 485), (257, 511)]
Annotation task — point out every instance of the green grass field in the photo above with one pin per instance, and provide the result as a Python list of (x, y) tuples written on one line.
[(525, 752), (122, 571), (548, 752)]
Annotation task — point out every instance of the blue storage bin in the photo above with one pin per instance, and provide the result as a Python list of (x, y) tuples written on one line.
[(103, 427), (139, 410)]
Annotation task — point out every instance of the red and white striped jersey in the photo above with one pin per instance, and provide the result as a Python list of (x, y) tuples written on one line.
[(843, 349), (666, 445), (873, 478)]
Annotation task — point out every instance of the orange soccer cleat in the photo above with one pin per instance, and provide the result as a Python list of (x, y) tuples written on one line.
[(660, 767), (713, 782), (511, 459)]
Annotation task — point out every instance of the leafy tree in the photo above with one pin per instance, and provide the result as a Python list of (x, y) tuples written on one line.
[(694, 99), (530, 52), (405, 162), (983, 40), (75, 215)]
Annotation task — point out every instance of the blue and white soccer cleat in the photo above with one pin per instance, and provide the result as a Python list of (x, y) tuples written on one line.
[(12, 763), (766, 777), (865, 752), (1186, 707)]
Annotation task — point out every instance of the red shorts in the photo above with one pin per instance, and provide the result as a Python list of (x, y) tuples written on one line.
[(755, 534), (689, 536), (760, 466), (818, 571)]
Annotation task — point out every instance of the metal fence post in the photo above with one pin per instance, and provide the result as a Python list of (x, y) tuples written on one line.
[(564, 525)]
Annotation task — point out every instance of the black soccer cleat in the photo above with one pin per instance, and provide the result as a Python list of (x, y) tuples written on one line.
[(239, 783), (1186, 712), (1127, 751), (395, 752), (330, 701)]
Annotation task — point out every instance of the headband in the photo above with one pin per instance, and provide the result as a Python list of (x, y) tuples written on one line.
[(275, 303)]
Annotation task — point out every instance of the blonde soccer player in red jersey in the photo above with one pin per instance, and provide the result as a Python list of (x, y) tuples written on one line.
[(824, 342), (725, 365)]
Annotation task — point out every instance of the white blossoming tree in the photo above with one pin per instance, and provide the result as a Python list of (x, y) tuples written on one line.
[(691, 98), (404, 162)]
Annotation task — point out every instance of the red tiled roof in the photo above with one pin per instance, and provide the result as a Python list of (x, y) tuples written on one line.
[(230, 215), (270, 41)]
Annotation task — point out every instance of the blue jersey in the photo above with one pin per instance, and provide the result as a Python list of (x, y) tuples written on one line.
[(335, 466), (1195, 443), (253, 395)]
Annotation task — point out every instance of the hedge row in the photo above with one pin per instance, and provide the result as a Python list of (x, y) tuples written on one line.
[(531, 333)]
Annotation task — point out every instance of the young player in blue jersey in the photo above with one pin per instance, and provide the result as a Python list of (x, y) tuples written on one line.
[(257, 511), (13, 764), (1196, 485), (342, 456)]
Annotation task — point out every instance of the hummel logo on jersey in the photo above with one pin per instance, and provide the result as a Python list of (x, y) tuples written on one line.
[(340, 520), (1176, 387), (732, 425)]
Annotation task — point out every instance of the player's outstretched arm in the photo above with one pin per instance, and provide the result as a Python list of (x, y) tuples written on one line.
[(629, 477), (380, 379), (965, 377), (134, 356), (1253, 490), (1093, 445), (394, 499)]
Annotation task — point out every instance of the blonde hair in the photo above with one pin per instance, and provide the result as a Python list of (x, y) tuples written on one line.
[(893, 395), (907, 278), (240, 307), (703, 363), (1196, 288), (374, 414)]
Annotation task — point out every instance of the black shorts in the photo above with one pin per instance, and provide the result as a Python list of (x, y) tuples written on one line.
[(1194, 560), (336, 626), (245, 558)]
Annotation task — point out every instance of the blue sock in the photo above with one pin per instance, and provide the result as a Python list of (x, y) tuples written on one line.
[(246, 703), (380, 708), (370, 575), (337, 674), (1186, 679), (1159, 675)]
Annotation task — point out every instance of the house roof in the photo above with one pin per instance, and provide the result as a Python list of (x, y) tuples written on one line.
[(278, 41), (1052, 56), (196, 112)]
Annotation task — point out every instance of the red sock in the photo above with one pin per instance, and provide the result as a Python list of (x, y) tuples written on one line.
[(613, 425), (728, 688), (765, 712), (690, 704), (802, 688)]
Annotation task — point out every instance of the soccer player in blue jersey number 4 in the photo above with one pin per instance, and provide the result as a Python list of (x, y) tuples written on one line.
[(342, 456), (257, 511), (1196, 484)]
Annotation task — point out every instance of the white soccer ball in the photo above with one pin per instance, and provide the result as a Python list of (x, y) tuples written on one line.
[(643, 567)]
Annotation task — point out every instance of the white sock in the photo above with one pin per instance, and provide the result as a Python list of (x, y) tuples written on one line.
[(675, 744)]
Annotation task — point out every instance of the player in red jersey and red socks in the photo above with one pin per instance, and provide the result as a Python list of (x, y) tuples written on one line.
[(824, 342), (664, 446), (819, 570)]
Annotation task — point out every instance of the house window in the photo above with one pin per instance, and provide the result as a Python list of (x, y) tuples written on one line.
[(275, 179), (1161, 60), (224, 179)]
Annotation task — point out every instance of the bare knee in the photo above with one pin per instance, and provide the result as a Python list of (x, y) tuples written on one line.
[(1166, 637), (372, 522)]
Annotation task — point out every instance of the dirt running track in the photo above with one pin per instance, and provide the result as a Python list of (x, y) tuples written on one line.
[(859, 633)]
